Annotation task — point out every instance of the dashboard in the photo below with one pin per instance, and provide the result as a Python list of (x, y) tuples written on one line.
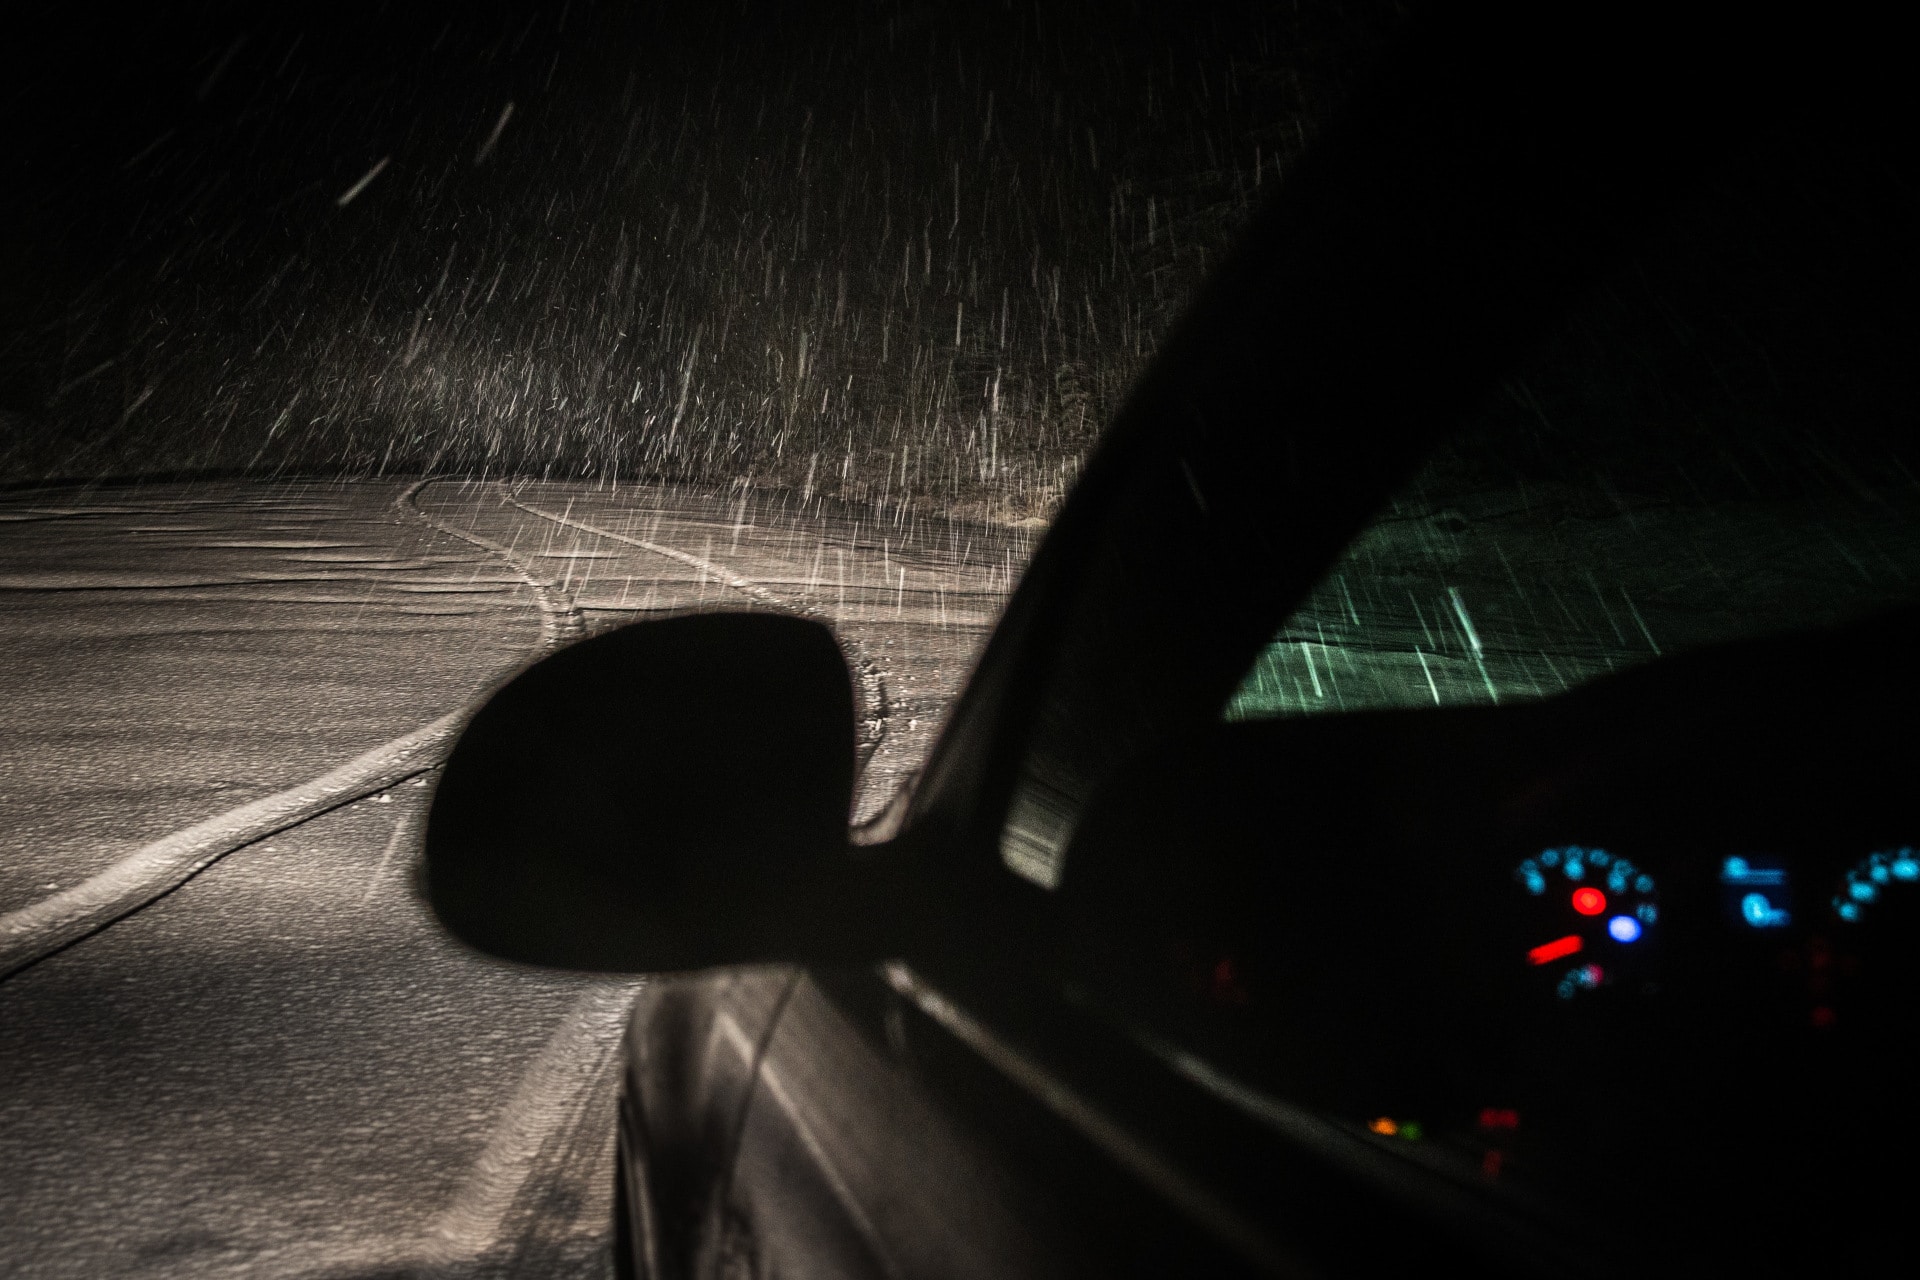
[(1640, 960), (1605, 913)]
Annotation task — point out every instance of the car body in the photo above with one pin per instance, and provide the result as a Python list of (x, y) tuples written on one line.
[(1159, 970)]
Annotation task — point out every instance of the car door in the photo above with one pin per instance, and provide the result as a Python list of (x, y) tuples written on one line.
[(850, 1165)]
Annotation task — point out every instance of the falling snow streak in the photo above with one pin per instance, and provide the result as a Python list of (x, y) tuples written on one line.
[(499, 127), (366, 180), (912, 261)]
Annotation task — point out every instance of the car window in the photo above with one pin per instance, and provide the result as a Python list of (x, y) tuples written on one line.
[(1617, 955), (1711, 447), (1730, 383)]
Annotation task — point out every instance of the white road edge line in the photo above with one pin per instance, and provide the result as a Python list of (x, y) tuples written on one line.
[(63, 918)]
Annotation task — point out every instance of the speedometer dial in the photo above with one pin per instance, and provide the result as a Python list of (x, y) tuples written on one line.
[(1592, 913)]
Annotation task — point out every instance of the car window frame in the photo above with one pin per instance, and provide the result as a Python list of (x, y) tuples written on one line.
[(1372, 321)]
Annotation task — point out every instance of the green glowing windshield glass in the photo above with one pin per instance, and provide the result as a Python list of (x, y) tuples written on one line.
[(1716, 444)]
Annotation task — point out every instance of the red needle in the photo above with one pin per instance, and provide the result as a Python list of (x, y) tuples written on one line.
[(1547, 951)]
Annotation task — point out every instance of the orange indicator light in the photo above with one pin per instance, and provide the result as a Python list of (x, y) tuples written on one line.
[(1589, 901), (1550, 951), (1383, 1126)]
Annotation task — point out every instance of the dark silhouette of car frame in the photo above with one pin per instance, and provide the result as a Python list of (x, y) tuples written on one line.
[(887, 1054)]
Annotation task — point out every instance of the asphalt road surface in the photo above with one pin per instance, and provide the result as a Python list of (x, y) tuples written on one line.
[(232, 1041)]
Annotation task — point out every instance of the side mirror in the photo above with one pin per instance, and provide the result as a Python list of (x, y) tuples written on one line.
[(670, 795)]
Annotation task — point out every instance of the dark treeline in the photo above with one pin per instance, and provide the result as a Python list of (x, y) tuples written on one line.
[(879, 250)]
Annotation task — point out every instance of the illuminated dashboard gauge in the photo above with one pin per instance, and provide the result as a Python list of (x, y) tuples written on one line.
[(1592, 910), (1867, 882), (1757, 891)]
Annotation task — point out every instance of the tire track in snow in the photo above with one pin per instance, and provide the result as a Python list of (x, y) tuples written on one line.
[(560, 620), (873, 688), (543, 1141), (539, 1143)]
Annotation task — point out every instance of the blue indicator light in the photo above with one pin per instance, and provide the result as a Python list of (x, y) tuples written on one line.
[(1861, 891), (1740, 871), (1848, 911), (1643, 884), (1550, 858), (1575, 869), (1598, 857), (1623, 928), (1759, 912), (1878, 872), (1618, 878), (1647, 912)]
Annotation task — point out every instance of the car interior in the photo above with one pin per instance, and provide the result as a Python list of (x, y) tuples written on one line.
[(1550, 873), (1636, 961)]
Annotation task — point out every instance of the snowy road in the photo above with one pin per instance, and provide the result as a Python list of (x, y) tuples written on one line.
[(281, 1067)]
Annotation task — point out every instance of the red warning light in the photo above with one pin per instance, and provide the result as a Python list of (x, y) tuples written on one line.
[(1549, 951), (1589, 901), (1499, 1118)]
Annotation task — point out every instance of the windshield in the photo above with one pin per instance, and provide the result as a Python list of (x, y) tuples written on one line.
[(1711, 447), (1453, 600)]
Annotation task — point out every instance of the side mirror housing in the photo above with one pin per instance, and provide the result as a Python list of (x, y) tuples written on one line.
[(670, 795)]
